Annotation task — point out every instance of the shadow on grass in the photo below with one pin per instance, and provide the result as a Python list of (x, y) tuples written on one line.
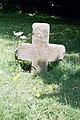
[(70, 92), (65, 74)]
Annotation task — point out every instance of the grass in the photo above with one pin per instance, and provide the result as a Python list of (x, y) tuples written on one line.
[(52, 95)]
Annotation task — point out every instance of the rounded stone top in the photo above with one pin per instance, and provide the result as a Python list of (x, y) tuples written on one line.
[(46, 25)]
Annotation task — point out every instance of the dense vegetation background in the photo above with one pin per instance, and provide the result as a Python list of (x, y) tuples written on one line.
[(69, 8)]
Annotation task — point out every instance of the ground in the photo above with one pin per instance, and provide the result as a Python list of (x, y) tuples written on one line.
[(52, 95)]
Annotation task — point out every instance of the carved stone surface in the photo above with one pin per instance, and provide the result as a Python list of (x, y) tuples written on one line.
[(40, 52)]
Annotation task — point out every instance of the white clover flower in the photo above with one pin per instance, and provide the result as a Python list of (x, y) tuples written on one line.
[(17, 33), (23, 37)]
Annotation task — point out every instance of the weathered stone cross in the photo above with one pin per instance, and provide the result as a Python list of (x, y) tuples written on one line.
[(40, 52)]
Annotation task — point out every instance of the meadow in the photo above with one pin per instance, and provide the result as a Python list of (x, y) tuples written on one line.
[(52, 95)]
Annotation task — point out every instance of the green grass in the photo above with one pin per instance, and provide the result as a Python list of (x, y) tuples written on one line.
[(18, 88)]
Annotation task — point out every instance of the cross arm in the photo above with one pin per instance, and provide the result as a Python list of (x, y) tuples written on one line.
[(24, 52), (55, 52)]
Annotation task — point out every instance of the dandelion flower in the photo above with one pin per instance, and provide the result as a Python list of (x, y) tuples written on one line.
[(37, 94), (15, 78), (34, 88), (11, 69), (51, 88)]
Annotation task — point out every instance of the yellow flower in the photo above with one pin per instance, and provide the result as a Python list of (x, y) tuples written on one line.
[(15, 78), (51, 88), (11, 69), (18, 85), (34, 88), (37, 94)]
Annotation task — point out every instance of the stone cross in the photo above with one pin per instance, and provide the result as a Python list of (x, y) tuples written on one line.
[(40, 52)]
